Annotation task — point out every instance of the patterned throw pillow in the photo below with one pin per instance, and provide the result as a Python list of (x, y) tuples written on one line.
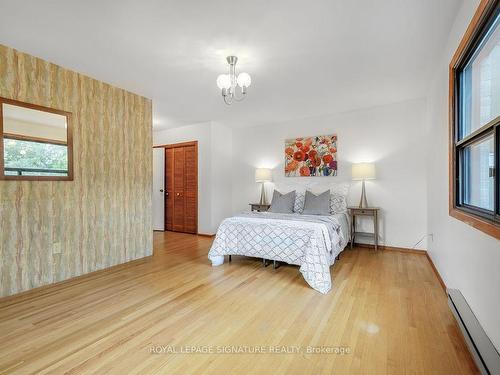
[(300, 198), (338, 204)]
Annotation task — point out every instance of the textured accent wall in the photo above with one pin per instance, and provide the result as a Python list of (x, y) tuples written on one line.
[(55, 230)]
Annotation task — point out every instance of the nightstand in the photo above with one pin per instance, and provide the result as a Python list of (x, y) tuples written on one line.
[(259, 207), (364, 212)]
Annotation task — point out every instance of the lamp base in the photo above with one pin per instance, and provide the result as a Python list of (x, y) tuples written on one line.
[(363, 203), (263, 199)]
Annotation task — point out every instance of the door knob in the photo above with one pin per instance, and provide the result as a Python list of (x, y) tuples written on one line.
[(178, 194), (161, 190), (166, 193)]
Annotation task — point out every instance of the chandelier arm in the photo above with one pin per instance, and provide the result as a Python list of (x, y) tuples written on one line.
[(240, 99), (226, 101)]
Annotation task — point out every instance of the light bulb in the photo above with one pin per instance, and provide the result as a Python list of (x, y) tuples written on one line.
[(244, 80), (223, 81)]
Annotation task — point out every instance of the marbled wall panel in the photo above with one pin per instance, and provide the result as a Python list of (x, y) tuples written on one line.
[(103, 217)]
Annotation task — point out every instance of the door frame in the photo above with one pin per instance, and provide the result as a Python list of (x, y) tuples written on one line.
[(161, 190), (175, 145)]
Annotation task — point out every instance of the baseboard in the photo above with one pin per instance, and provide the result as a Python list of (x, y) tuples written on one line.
[(392, 248), (73, 280), (197, 234), (443, 285)]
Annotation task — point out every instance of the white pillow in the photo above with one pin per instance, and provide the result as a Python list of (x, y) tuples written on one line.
[(340, 189), (338, 197), (338, 204)]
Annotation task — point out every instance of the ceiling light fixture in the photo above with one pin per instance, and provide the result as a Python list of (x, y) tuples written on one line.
[(228, 83)]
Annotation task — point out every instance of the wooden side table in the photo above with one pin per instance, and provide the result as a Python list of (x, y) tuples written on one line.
[(370, 212), (259, 207)]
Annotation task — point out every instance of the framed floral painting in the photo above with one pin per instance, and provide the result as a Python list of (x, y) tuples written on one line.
[(311, 156)]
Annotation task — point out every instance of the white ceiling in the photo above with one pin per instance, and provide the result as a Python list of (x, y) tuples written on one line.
[(306, 58)]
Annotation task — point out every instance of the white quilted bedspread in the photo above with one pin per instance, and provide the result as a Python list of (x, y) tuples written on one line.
[(310, 241)]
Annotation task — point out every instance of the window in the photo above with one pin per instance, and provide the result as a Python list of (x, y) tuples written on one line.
[(475, 122)]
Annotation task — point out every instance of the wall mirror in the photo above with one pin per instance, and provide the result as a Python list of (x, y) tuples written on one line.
[(36, 142)]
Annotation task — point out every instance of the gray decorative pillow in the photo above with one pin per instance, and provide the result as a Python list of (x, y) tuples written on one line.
[(317, 204), (298, 206), (338, 204), (282, 203)]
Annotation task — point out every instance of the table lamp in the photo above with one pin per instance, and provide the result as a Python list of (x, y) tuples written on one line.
[(363, 171), (263, 175)]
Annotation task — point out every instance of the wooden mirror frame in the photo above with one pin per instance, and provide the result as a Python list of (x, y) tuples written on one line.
[(69, 142)]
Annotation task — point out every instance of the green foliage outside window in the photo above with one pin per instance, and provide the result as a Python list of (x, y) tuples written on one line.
[(27, 154)]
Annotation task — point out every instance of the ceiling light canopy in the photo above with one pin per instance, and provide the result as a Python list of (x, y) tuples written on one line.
[(228, 83)]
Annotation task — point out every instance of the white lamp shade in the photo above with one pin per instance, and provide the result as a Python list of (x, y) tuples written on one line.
[(244, 80), (263, 175), (363, 171), (223, 81)]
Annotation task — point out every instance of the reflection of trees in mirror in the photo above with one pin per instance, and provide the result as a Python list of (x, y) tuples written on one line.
[(26, 154)]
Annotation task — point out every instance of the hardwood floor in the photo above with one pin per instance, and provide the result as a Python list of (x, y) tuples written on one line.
[(387, 310)]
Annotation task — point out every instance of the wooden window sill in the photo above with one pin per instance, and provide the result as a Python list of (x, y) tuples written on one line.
[(481, 224)]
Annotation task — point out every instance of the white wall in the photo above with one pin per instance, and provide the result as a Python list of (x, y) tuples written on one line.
[(221, 159), (391, 136), (214, 166), (466, 258), (197, 132)]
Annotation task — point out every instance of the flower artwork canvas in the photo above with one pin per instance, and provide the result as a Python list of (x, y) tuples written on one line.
[(311, 156)]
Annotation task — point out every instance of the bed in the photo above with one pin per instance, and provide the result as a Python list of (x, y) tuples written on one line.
[(312, 242)]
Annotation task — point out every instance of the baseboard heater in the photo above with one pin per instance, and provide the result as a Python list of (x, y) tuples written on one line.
[(482, 349)]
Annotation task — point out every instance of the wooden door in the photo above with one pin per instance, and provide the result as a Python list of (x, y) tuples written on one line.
[(190, 189), (179, 179), (181, 182), (169, 187)]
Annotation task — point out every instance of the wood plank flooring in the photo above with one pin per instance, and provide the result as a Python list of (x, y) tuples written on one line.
[(387, 312)]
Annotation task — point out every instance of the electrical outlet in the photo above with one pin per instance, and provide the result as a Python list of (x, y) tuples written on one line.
[(56, 248)]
